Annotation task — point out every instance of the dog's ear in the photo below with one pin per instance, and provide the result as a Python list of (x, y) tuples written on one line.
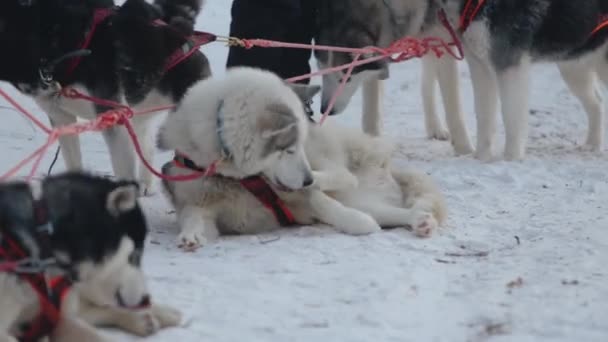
[(277, 119), (304, 91), (122, 199)]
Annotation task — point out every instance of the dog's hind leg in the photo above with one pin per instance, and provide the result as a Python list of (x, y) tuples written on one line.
[(513, 84), (421, 193), (447, 75), (121, 151), (485, 94), (371, 118), (337, 179), (434, 128), (347, 220), (582, 82)]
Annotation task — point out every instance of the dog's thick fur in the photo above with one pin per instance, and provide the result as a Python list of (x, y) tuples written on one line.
[(263, 127), (500, 45), (126, 64), (98, 239)]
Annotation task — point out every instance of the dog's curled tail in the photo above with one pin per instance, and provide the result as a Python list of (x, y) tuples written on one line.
[(420, 190), (180, 14)]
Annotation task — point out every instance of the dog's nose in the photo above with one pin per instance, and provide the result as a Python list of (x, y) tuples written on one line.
[(324, 108), (308, 181), (145, 302)]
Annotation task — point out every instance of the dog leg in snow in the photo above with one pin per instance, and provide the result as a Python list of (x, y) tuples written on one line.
[(197, 226), (344, 219), (121, 152), (138, 322), (434, 128), (513, 84), (335, 180), (447, 74), (373, 90), (70, 144), (420, 221), (72, 329), (485, 94), (141, 126), (582, 82)]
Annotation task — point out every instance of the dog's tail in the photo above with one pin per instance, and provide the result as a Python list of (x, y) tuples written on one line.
[(180, 14), (420, 189)]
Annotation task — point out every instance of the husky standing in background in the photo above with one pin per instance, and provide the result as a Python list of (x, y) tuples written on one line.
[(256, 125), (501, 41), (129, 52), (91, 232)]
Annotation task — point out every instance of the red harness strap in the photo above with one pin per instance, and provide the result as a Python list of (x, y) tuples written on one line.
[(99, 16), (471, 8), (50, 294), (192, 44), (602, 24), (257, 186)]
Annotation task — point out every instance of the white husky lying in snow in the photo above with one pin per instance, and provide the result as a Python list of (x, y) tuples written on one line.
[(322, 174)]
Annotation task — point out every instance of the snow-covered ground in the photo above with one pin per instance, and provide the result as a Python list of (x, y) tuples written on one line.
[(522, 257)]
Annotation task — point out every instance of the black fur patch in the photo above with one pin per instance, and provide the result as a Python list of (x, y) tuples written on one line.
[(83, 227), (129, 54)]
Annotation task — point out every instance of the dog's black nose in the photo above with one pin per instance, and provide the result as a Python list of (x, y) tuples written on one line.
[(324, 108), (145, 302), (308, 182)]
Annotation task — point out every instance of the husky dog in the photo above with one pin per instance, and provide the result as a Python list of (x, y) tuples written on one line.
[(501, 41), (89, 229), (255, 124), (128, 52)]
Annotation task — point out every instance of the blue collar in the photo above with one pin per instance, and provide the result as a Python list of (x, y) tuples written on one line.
[(225, 152)]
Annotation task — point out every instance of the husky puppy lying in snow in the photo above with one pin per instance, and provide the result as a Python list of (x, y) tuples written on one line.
[(90, 231), (279, 169)]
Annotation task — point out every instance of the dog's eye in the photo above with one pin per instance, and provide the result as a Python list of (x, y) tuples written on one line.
[(290, 152)]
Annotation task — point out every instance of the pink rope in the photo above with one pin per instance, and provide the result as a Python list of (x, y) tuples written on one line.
[(25, 112), (401, 50)]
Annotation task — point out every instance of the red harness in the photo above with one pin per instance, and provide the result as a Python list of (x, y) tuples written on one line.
[(50, 292), (472, 8), (192, 44), (99, 16), (602, 24), (257, 186)]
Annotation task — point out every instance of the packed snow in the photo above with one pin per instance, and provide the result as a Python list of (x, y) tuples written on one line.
[(522, 256)]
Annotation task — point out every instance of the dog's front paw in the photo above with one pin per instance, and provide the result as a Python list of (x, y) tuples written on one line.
[(142, 323), (167, 316), (424, 225), (359, 223), (438, 133), (191, 239)]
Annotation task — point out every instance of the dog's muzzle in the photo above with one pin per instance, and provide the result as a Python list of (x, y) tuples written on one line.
[(47, 69)]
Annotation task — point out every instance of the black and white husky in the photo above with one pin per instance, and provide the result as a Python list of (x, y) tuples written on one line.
[(119, 54), (501, 40), (90, 232)]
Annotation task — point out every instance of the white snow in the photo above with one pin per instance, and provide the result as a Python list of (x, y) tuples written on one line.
[(542, 220)]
